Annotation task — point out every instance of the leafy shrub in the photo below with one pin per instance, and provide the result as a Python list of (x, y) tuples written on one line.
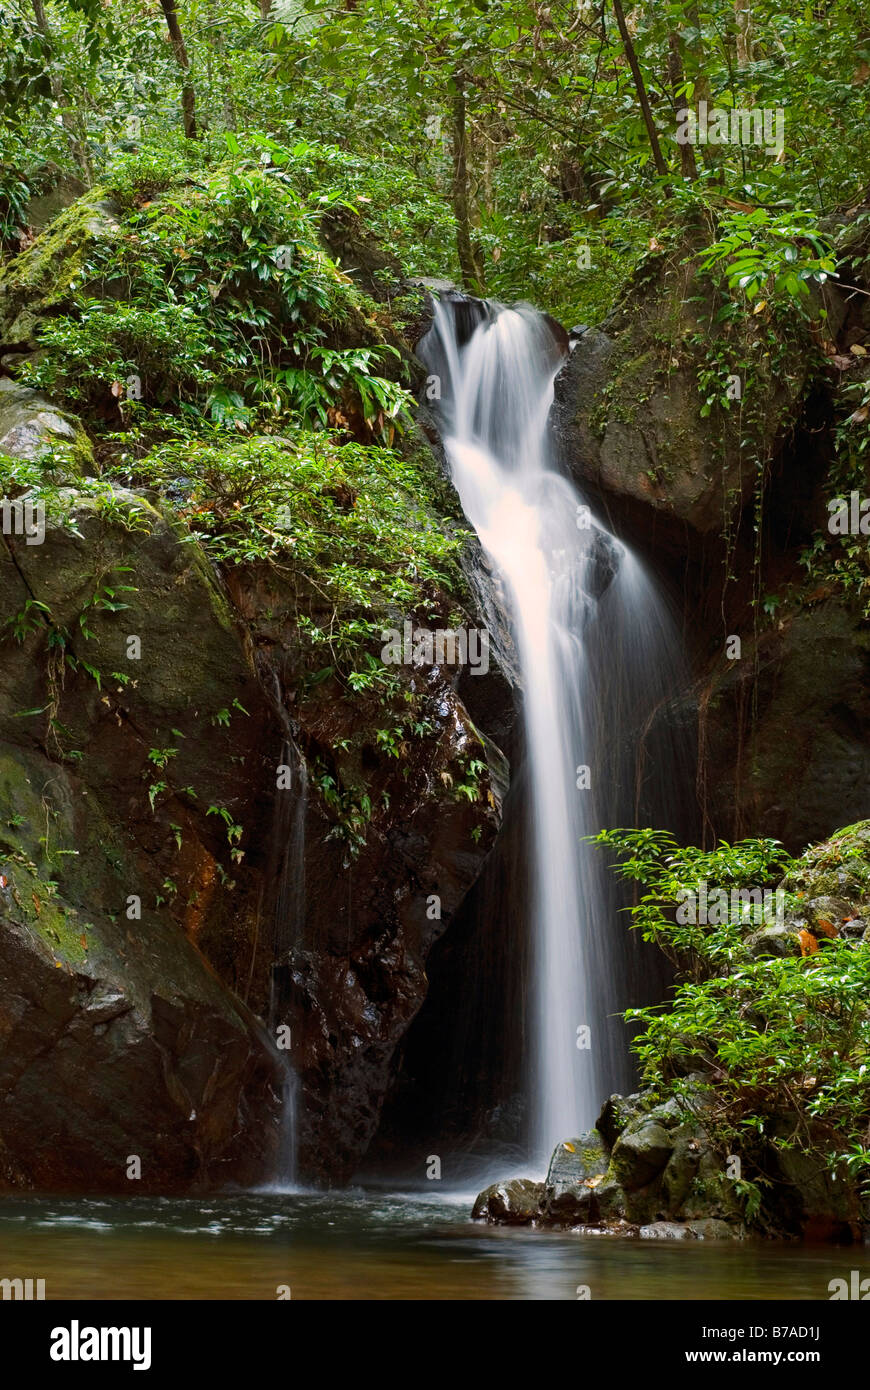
[(358, 522), (218, 298), (783, 1037)]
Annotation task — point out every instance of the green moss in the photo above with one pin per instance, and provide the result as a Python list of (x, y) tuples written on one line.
[(44, 278)]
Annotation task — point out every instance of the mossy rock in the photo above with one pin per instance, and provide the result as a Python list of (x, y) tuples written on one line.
[(629, 399), (640, 1153), (577, 1160), (34, 429), (40, 281)]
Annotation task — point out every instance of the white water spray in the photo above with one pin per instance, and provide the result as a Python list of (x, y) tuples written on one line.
[(555, 567)]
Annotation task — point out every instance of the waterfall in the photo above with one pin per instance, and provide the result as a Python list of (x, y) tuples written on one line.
[(594, 643), (287, 874)]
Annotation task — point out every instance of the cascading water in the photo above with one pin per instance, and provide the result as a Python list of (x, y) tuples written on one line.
[(588, 628)]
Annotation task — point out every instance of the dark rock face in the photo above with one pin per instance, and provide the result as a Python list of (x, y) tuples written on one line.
[(147, 873), (353, 971), (155, 777), (785, 751), (99, 1069), (782, 750), (117, 1038), (627, 408)]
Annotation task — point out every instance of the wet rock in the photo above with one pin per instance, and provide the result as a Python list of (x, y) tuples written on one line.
[(577, 1160), (640, 1153), (665, 1230), (691, 1230), (616, 1113), (157, 773), (514, 1203), (576, 1171), (682, 1168)]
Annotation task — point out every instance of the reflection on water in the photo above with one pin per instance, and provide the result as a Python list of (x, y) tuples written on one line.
[(369, 1245)]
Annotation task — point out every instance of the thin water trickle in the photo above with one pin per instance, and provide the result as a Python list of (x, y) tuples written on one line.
[(287, 925), (561, 576)]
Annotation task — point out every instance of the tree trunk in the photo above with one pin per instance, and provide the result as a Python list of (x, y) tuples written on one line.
[(188, 99), (676, 75), (640, 87), (743, 16), (472, 277)]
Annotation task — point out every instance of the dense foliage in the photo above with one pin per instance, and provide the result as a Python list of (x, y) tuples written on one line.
[(516, 125), (785, 1038)]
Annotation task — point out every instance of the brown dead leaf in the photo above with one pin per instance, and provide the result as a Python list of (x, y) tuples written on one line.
[(809, 944)]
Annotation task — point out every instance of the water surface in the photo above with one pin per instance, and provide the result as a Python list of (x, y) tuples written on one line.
[(365, 1244)]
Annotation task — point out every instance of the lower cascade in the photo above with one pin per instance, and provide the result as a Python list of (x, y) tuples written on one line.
[(595, 647)]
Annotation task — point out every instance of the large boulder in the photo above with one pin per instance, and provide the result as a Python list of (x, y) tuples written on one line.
[(513, 1203), (576, 1171), (640, 1153), (33, 428), (119, 1041), (628, 404)]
